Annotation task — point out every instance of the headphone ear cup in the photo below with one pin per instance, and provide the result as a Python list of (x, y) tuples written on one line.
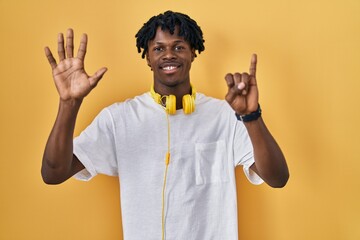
[(171, 104), (188, 104)]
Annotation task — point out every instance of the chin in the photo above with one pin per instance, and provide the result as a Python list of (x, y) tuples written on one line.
[(170, 81)]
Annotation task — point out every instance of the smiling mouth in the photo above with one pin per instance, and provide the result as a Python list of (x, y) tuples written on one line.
[(169, 68)]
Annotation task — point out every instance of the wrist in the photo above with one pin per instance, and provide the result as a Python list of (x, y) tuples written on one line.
[(70, 103), (70, 106), (251, 116)]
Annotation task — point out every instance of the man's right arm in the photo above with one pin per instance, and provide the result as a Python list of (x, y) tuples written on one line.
[(59, 163), (73, 85)]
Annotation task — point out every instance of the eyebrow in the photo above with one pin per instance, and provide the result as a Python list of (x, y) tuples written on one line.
[(176, 41)]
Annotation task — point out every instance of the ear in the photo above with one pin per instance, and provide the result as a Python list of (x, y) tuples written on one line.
[(193, 55), (147, 60)]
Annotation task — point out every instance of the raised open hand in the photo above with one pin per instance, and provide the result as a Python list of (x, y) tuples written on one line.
[(243, 94), (71, 80)]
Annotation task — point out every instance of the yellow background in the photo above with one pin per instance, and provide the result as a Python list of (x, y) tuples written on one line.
[(309, 79)]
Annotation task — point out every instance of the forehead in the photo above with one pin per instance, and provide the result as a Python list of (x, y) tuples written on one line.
[(163, 36)]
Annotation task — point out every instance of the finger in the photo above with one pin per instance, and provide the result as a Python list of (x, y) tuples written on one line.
[(253, 63), (50, 58), (94, 79), (229, 80), (82, 48), (232, 93), (237, 78), (244, 85), (70, 43), (61, 50), (239, 84)]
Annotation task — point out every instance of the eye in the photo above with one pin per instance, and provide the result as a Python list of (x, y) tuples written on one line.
[(158, 49), (179, 48)]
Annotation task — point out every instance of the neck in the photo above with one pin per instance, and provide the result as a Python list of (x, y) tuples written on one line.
[(178, 91)]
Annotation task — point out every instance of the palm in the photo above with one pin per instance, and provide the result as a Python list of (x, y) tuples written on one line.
[(246, 103), (70, 77), (71, 80), (243, 93)]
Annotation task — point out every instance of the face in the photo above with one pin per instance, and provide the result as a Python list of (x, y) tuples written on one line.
[(170, 58)]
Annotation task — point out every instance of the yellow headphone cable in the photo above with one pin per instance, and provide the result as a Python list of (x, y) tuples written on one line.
[(188, 102), (167, 161)]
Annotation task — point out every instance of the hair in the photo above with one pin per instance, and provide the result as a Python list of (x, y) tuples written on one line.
[(188, 29)]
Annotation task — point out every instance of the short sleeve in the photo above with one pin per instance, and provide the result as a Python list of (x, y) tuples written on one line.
[(95, 147), (244, 153)]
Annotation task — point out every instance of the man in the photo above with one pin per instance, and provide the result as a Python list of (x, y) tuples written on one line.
[(174, 150)]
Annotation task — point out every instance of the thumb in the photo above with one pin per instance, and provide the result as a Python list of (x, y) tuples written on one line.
[(94, 79)]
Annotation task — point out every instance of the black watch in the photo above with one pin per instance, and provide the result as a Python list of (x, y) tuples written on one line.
[(249, 117)]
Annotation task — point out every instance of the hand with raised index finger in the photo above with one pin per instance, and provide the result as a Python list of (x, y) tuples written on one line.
[(243, 95), (70, 77)]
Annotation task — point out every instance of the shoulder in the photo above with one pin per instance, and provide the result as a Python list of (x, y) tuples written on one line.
[(132, 109), (204, 101), (134, 102), (216, 109)]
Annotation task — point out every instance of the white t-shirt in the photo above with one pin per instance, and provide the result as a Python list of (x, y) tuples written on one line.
[(130, 140)]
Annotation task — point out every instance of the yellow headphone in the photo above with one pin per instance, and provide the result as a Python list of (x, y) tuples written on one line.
[(188, 101)]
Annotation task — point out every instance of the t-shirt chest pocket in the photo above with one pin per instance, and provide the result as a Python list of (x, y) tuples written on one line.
[(211, 163)]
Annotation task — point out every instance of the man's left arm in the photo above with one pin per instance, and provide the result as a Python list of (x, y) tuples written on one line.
[(243, 97)]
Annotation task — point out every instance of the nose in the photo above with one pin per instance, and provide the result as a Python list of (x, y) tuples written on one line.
[(169, 54)]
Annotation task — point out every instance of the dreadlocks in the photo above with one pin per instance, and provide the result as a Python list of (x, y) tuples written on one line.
[(188, 29)]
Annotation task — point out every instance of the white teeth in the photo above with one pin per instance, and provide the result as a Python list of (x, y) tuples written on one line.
[(169, 68)]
